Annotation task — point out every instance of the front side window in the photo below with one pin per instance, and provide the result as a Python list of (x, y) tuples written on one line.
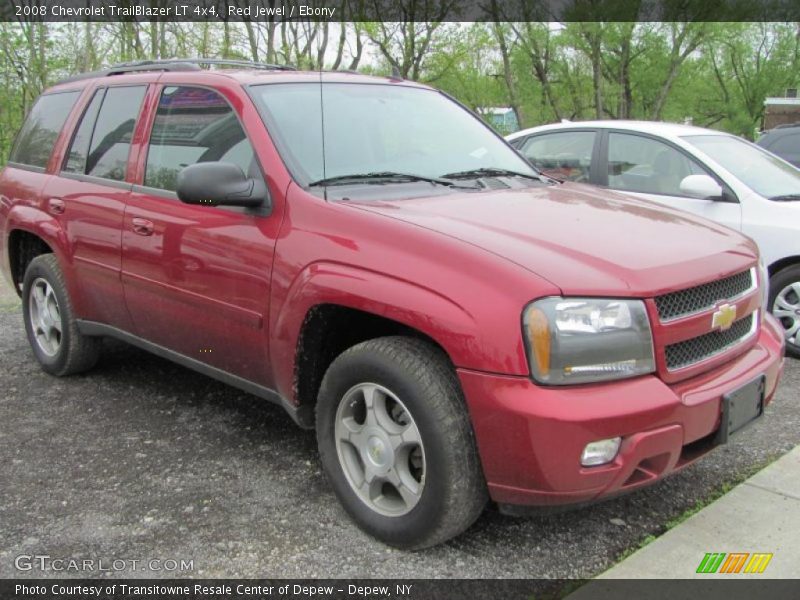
[(564, 155), (759, 170), (339, 129), (38, 135), (641, 164), (194, 125)]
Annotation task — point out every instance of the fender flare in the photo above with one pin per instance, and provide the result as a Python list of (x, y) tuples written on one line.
[(36, 222), (439, 317)]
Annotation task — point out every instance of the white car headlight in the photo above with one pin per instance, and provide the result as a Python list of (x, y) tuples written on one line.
[(582, 340)]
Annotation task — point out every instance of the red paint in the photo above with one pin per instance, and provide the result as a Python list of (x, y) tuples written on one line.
[(233, 289)]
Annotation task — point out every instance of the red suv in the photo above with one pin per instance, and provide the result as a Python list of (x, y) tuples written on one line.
[(367, 253)]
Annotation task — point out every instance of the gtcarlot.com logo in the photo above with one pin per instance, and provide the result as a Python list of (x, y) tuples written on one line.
[(45, 562), (734, 562)]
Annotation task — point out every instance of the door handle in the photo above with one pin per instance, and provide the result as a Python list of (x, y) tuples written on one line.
[(56, 206), (142, 226)]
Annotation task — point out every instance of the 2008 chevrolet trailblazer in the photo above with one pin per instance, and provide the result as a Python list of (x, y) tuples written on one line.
[(367, 253)]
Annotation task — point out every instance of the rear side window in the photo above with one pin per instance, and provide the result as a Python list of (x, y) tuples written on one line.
[(36, 139), (563, 155), (113, 130), (194, 125)]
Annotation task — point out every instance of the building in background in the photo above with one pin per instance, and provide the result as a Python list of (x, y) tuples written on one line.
[(502, 118), (781, 111)]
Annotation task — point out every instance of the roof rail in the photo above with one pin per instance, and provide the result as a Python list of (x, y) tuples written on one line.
[(174, 64)]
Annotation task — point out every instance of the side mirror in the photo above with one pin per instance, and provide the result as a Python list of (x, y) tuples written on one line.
[(219, 184), (701, 186)]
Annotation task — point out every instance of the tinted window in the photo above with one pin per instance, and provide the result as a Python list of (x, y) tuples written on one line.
[(565, 155), (79, 149), (38, 135), (641, 164), (111, 139), (194, 125), (786, 144)]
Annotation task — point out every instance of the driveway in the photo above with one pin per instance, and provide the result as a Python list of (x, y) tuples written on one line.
[(142, 459)]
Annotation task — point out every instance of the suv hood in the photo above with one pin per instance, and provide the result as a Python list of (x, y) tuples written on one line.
[(581, 239)]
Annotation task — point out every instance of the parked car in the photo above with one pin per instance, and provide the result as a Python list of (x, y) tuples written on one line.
[(783, 141), (455, 326), (712, 174)]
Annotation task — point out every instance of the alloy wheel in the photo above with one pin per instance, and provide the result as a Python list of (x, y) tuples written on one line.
[(380, 449)]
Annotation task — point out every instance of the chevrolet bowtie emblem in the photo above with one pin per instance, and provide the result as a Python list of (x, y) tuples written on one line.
[(724, 317)]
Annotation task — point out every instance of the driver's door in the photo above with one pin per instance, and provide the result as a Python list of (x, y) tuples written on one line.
[(196, 278)]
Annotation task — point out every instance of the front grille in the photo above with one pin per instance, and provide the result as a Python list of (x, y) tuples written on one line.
[(689, 352), (703, 297)]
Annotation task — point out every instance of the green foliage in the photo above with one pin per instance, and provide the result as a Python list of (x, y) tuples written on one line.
[(712, 74)]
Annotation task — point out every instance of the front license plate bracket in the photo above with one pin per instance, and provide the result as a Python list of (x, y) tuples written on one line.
[(741, 407)]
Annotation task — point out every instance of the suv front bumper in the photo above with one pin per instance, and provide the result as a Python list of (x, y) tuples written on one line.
[(530, 438)]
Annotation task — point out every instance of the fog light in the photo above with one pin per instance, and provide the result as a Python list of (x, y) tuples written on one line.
[(600, 452)]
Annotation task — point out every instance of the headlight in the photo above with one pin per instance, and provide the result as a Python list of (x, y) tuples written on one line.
[(581, 340), (763, 281)]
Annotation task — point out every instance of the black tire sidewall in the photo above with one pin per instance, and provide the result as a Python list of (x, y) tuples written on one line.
[(779, 281), (365, 367), (39, 268)]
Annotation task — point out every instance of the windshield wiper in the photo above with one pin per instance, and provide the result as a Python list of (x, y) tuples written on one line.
[(491, 172), (385, 177), (786, 197)]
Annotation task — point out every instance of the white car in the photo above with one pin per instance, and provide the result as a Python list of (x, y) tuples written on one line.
[(713, 174)]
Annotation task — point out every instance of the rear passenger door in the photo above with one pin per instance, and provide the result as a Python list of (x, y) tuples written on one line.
[(197, 278), (89, 193), (564, 155)]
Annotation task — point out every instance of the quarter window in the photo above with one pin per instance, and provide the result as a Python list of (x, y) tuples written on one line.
[(565, 155), (641, 164), (194, 125), (38, 135)]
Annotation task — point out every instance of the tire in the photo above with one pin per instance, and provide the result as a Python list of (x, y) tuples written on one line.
[(419, 434), (784, 302), (46, 307)]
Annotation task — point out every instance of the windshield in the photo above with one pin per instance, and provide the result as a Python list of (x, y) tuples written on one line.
[(378, 129), (761, 171)]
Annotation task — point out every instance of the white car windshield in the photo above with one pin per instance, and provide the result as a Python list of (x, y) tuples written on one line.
[(762, 172), (344, 131)]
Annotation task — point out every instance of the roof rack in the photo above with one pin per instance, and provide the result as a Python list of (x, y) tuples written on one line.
[(174, 64)]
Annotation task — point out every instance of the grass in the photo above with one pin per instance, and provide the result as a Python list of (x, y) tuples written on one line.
[(715, 495), (7, 307)]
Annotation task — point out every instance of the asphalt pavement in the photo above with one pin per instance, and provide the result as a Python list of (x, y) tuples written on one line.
[(141, 459)]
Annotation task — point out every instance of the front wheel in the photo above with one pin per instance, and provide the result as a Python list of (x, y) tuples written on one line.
[(784, 299), (396, 442)]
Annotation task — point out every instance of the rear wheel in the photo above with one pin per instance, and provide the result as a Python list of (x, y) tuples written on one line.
[(50, 323), (784, 299), (396, 442)]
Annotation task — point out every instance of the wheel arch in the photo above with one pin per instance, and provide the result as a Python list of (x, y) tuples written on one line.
[(23, 246), (782, 263), (331, 307), (330, 329)]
